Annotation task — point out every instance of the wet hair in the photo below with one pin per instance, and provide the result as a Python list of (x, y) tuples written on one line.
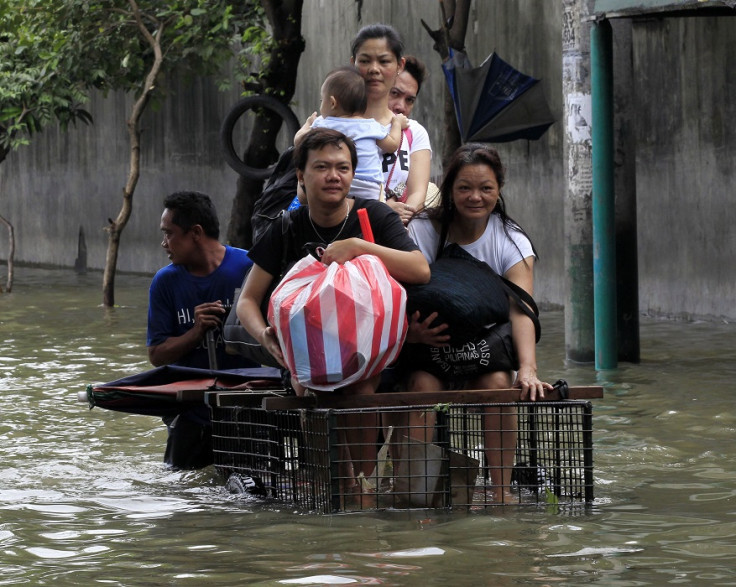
[(348, 87), (472, 154), (318, 138), (378, 31), (416, 69), (191, 208)]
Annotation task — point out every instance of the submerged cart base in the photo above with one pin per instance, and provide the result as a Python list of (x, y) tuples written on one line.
[(430, 455)]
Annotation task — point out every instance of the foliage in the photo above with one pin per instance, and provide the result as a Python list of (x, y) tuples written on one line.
[(195, 36), (52, 52), (253, 51), (37, 86)]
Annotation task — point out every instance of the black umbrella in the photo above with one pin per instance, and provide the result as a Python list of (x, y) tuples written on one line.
[(170, 390), (495, 103)]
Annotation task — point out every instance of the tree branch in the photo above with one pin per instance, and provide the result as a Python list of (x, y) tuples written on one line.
[(11, 254)]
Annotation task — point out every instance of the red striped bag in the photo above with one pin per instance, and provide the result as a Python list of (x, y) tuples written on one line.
[(338, 324)]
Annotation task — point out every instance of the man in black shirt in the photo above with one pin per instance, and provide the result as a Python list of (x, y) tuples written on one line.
[(325, 161)]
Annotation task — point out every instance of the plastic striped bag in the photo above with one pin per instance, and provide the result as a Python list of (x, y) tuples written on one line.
[(338, 324)]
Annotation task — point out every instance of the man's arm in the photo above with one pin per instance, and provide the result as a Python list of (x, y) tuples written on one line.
[(418, 180), (416, 186), (404, 266), (249, 311), (171, 350)]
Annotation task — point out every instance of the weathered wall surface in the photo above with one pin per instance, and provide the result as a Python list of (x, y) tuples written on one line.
[(684, 132), (65, 181), (685, 92)]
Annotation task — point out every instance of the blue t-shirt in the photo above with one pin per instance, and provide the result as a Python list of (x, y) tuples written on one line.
[(175, 292)]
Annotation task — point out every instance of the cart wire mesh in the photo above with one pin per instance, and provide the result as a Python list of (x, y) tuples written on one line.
[(460, 456)]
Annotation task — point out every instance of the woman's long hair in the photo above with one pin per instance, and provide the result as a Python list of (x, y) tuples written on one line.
[(471, 154)]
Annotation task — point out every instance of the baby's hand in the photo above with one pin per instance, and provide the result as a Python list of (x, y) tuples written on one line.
[(306, 127), (403, 121)]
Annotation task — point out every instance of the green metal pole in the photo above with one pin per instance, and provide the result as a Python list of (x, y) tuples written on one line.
[(604, 222)]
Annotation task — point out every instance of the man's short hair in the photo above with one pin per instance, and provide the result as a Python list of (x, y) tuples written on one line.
[(318, 138), (348, 87), (416, 69), (192, 208)]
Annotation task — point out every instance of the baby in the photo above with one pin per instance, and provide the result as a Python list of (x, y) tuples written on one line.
[(343, 103)]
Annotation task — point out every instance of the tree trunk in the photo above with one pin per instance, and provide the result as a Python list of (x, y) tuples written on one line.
[(11, 250), (115, 227), (451, 35), (277, 80), (11, 254)]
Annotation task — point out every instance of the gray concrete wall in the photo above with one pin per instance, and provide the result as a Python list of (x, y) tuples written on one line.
[(64, 181), (684, 132), (685, 91)]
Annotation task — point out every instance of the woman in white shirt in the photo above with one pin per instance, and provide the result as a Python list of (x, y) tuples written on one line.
[(472, 214), (377, 52)]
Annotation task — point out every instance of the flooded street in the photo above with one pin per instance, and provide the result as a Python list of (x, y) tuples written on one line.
[(86, 500)]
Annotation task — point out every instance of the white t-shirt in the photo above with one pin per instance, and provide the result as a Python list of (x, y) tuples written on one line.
[(494, 246), (402, 157)]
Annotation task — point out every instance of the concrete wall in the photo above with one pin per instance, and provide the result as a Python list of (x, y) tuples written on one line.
[(684, 133), (65, 181), (685, 91)]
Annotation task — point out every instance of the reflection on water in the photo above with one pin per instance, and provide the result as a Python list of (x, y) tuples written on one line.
[(85, 499)]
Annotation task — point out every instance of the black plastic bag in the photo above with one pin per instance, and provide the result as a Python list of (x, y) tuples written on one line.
[(474, 301), (468, 295)]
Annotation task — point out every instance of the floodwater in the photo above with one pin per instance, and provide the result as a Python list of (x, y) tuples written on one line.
[(85, 499)]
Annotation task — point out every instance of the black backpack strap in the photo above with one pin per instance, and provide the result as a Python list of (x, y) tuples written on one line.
[(525, 302), (286, 222)]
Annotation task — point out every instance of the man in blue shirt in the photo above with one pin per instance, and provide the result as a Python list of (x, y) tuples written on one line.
[(188, 300)]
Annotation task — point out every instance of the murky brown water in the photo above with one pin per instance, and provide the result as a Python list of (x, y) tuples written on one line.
[(84, 498)]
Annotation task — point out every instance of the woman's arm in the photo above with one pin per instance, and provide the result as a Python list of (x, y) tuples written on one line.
[(523, 334), (249, 311)]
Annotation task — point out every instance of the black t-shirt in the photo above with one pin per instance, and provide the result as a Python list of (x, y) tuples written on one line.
[(268, 253)]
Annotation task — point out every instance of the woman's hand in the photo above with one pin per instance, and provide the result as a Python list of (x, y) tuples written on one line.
[(421, 331), (404, 210), (532, 389)]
